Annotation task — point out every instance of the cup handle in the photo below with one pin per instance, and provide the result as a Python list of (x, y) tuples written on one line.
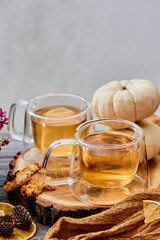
[(52, 146), (11, 126)]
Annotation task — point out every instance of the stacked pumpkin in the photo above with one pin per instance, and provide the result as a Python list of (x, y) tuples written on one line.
[(132, 100)]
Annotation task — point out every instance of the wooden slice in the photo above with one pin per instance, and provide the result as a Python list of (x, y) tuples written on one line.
[(49, 206)]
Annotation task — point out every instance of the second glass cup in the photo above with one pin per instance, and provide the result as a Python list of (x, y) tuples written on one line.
[(108, 162)]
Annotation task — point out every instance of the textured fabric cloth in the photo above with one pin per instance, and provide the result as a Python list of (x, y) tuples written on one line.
[(125, 220)]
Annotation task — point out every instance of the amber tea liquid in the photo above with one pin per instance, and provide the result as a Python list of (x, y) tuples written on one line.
[(108, 168), (45, 131)]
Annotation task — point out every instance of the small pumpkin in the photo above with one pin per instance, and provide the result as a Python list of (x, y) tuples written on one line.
[(152, 136), (132, 100)]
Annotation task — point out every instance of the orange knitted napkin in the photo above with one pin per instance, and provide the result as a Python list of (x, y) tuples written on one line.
[(125, 220)]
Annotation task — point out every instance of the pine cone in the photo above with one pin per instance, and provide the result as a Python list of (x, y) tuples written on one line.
[(6, 218), (6, 228), (21, 216)]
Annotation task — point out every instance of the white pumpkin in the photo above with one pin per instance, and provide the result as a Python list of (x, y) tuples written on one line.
[(132, 100)]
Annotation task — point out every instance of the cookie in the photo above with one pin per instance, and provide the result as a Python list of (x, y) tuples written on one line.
[(21, 177), (35, 186)]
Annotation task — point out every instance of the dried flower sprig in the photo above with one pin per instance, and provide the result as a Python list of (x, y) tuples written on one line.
[(3, 121), (3, 118)]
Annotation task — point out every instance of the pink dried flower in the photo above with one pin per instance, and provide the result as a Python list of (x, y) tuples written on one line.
[(3, 118), (3, 121)]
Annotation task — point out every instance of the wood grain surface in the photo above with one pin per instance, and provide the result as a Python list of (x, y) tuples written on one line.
[(6, 155)]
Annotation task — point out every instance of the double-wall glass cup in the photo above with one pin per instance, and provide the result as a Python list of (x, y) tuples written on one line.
[(108, 162), (47, 118)]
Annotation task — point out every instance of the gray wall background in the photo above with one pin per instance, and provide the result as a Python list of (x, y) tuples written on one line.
[(75, 45)]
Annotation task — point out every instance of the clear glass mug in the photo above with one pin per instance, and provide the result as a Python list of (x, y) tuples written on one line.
[(47, 118), (108, 162)]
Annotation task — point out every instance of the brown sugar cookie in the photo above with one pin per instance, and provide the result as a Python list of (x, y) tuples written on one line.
[(35, 186), (21, 177)]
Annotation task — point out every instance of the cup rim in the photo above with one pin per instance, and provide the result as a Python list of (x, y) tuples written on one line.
[(58, 94), (118, 146)]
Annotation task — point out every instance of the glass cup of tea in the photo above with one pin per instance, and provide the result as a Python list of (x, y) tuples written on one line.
[(47, 118), (108, 162)]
